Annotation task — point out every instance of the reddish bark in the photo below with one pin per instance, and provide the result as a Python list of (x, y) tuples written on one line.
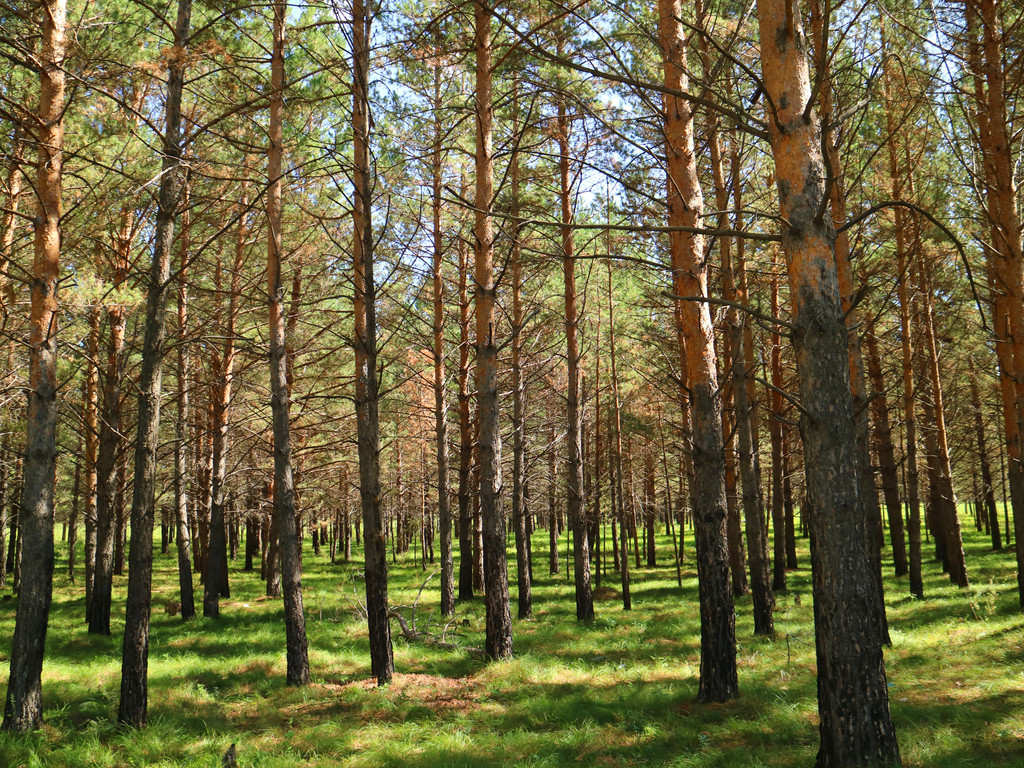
[(696, 344)]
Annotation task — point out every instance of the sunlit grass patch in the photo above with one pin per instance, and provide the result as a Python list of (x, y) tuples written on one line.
[(618, 692)]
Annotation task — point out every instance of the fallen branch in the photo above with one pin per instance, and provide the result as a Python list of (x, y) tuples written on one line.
[(414, 634)]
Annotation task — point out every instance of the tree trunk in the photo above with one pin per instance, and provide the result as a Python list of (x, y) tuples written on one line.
[(272, 569), (24, 707), (14, 550), (444, 512), (121, 513), (181, 440), (574, 437), (787, 501), (853, 702), (465, 433), (204, 431), (9, 218), (775, 432), (946, 506), (72, 515), (847, 294), (382, 663), (618, 506), (886, 454), (5, 489), (746, 427), (753, 500), (498, 641), (223, 371), (697, 354), (346, 512), (110, 446), (906, 332), (987, 494), (597, 520), (733, 525), (1006, 257), (135, 648), (519, 524), (92, 433), (553, 565), (668, 507)]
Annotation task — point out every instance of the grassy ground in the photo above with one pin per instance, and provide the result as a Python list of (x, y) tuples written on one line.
[(618, 693)]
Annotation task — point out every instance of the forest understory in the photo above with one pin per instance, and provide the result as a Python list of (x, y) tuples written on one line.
[(619, 692), (526, 285)]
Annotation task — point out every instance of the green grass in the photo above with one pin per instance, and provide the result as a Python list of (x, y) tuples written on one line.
[(617, 693)]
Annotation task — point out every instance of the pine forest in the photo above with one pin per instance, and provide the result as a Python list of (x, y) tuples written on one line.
[(465, 383)]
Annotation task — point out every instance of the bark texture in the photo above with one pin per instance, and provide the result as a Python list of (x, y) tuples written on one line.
[(498, 641), (181, 441), (133, 707), (519, 521), (382, 664), (886, 455), (853, 703), (23, 710), (574, 438), (718, 681), (444, 511), (289, 546)]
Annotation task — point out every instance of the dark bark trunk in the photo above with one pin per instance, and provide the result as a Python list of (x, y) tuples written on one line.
[(465, 433), (949, 521), (650, 508), (444, 512), (618, 506), (135, 648), (223, 368), (252, 542), (597, 519), (4, 506), (553, 564), (108, 527), (575, 501), (181, 437), (498, 640), (121, 513), (746, 424), (775, 432), (886, 455), (519, 513), (72, 516), (753, 506), (382, 663), (787, 502), (906, 335), (987, 496), (289, 547), (92, 434)]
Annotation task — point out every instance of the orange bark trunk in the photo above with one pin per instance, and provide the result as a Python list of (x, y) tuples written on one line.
[(853, 702), (24, 707), (696, 342)]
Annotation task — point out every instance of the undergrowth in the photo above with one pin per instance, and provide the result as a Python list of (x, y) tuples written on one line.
[(619, 692)]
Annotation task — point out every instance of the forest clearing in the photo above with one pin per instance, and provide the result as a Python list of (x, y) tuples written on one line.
[(617, 693), (586, 382)]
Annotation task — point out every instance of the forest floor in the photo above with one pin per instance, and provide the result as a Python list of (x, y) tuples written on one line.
[(617, 693)]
